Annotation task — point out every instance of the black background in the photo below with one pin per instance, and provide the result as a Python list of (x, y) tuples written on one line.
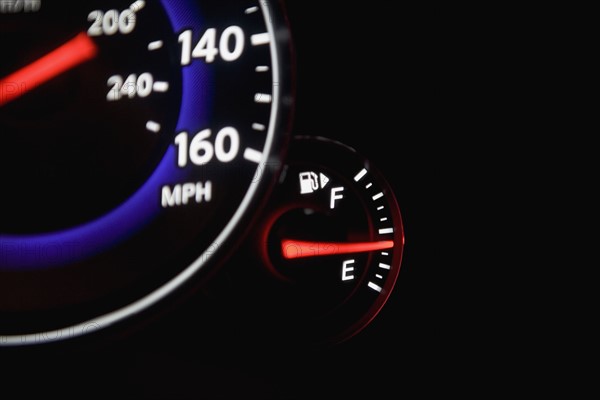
[(402, 86)]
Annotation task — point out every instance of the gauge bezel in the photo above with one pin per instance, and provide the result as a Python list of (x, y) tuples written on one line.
[(354, 314)]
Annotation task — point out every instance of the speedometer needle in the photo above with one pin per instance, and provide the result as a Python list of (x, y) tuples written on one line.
[(301, 249), (76, 51)]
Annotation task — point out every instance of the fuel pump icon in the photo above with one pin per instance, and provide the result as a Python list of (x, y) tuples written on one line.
[(309, 182)]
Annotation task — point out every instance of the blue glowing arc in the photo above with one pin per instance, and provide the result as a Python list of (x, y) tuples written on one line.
[(42, 251)]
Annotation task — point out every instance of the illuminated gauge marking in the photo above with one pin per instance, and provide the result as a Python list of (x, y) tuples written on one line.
[(260, 39), (153, 126), (156, 45)]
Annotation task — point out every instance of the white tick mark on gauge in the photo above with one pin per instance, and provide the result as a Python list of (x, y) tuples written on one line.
[(386, 231), (375, 287), (377, 196), (252, 155), (360, 175), (251, 10), (262, 68), (158, 44), (263, 98), (259, 39), (160, 86), (259, 127), (153, 126)]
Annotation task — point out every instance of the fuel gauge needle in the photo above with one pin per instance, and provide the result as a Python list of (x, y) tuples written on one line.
[(301, 249), (69, 55)]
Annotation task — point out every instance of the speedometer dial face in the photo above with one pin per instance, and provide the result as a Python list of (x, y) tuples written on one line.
[(138, 138)]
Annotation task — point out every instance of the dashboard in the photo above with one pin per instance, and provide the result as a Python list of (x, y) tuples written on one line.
[(282, 259)]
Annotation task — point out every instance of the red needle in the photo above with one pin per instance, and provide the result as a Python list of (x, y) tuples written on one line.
[(76, 51), (300, 249)]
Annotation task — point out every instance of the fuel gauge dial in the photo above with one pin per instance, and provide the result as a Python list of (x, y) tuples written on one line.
[(333, 238)]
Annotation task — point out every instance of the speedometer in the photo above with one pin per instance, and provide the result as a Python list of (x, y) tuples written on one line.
[(138, 140)]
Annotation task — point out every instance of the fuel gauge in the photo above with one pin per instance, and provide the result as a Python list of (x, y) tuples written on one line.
[(332, 238)]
